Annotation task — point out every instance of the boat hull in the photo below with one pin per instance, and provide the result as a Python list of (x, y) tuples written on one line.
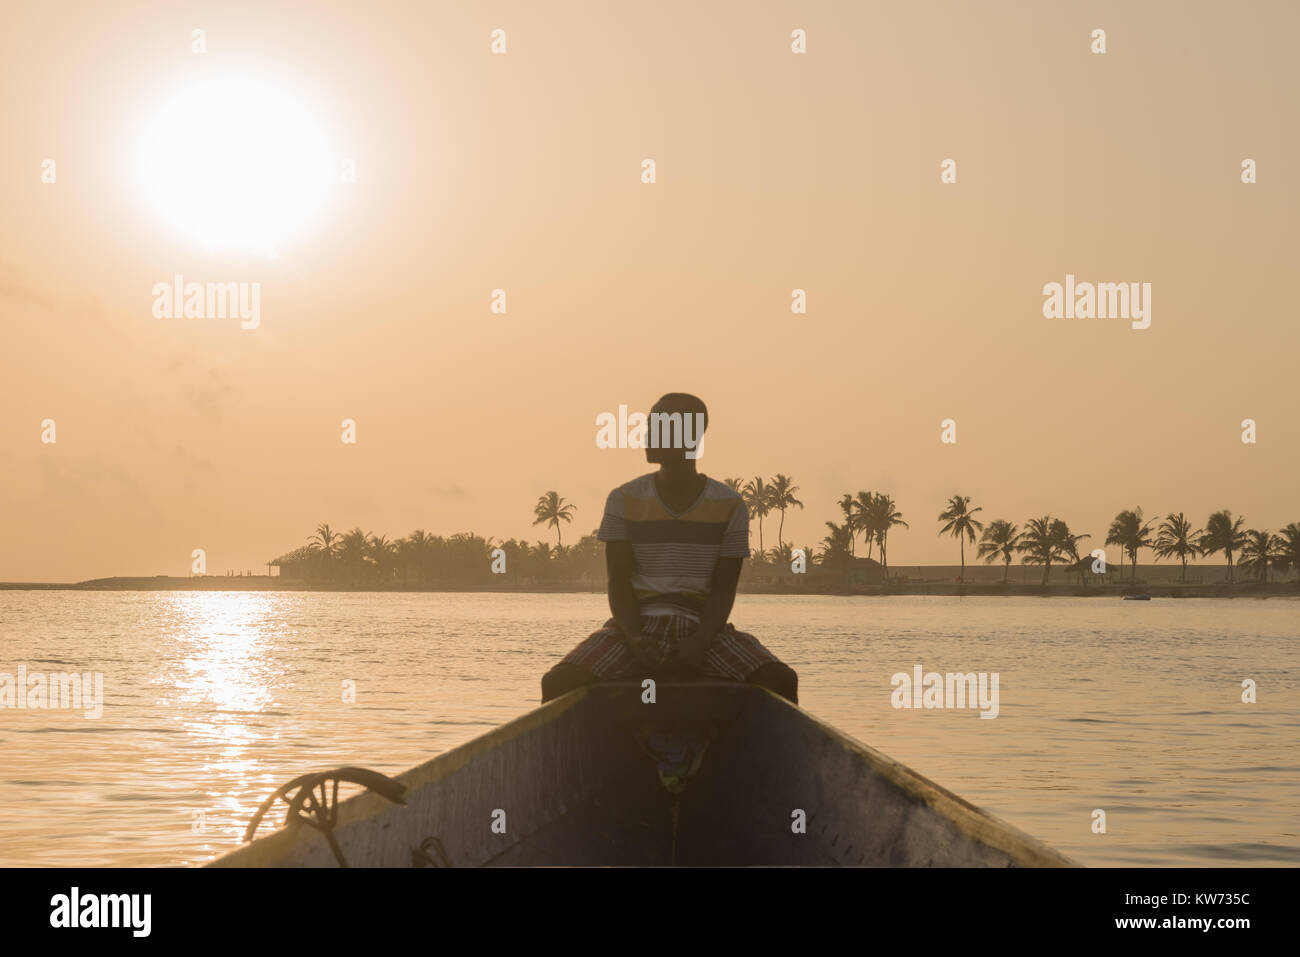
[(568, 784)]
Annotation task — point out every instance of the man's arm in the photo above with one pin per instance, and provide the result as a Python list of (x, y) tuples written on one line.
[(620, 564), (717, 609)]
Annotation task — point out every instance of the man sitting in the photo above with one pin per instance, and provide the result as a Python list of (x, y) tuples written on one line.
[(674, 544)]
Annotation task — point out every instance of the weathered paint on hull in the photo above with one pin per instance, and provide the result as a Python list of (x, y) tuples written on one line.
[(577, 790)]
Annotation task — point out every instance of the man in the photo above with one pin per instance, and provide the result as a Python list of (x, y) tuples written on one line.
[(674, 544)]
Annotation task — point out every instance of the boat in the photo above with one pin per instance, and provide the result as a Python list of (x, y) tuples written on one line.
[(1137, 597), (686, 773)]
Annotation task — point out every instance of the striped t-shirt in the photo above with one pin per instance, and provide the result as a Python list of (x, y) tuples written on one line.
[(675, 553)]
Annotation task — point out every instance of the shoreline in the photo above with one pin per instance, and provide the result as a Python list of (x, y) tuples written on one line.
[(937, 589)]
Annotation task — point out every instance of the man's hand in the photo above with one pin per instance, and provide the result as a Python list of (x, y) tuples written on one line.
[(633, 643), (690, 653), (620, 563)]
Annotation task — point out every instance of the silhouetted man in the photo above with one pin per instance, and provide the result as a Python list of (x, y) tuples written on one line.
[(674, 544)]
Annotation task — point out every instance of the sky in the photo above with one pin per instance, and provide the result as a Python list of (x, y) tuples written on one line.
[(474, 171)]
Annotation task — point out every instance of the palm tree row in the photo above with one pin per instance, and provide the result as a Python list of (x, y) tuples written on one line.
[(1257, 550), (360, 557), (1176, 538), (1046, 541)]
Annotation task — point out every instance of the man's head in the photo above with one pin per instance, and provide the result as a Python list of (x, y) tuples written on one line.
[(677, 422)]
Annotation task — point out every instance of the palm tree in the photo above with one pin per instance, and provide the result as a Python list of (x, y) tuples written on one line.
[(1068, 545), (781, 555), (381, 552), (543, 553), (552, 509), (1261, 550), (961, 524), (1223, 534), (866, 519), (415, 550), (1289, 550), (1130, 533), (1176, 539), (758, 498), (352, 551), (886, 517), (325, 541), (733, 483), (1044, 542), (325, 544), (846, 504), (782, 496), (835, 546), (1000, 540)]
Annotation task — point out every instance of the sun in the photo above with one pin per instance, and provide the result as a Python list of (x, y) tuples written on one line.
[(235, 163)]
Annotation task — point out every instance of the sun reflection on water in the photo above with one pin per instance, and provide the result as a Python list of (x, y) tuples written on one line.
[(225, 683)]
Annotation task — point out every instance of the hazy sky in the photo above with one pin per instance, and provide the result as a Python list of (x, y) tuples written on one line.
[(775, 171)]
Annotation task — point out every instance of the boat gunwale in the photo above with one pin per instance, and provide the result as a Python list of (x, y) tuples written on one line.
[(367, 804), (972, 820)]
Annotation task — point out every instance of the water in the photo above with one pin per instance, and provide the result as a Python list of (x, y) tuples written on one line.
[(212, 700)]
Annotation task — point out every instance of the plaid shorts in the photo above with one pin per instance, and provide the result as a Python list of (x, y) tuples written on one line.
[(733, 654)]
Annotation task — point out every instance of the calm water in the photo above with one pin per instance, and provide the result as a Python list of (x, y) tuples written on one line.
[(213, 700)]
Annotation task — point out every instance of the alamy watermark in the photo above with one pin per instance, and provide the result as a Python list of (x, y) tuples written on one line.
[(1102, 300), (662, 430), (179, 299), (55, 690), (930, 689), (130, 911)]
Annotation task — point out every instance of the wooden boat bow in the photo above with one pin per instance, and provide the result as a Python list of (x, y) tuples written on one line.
[(584, 780)]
